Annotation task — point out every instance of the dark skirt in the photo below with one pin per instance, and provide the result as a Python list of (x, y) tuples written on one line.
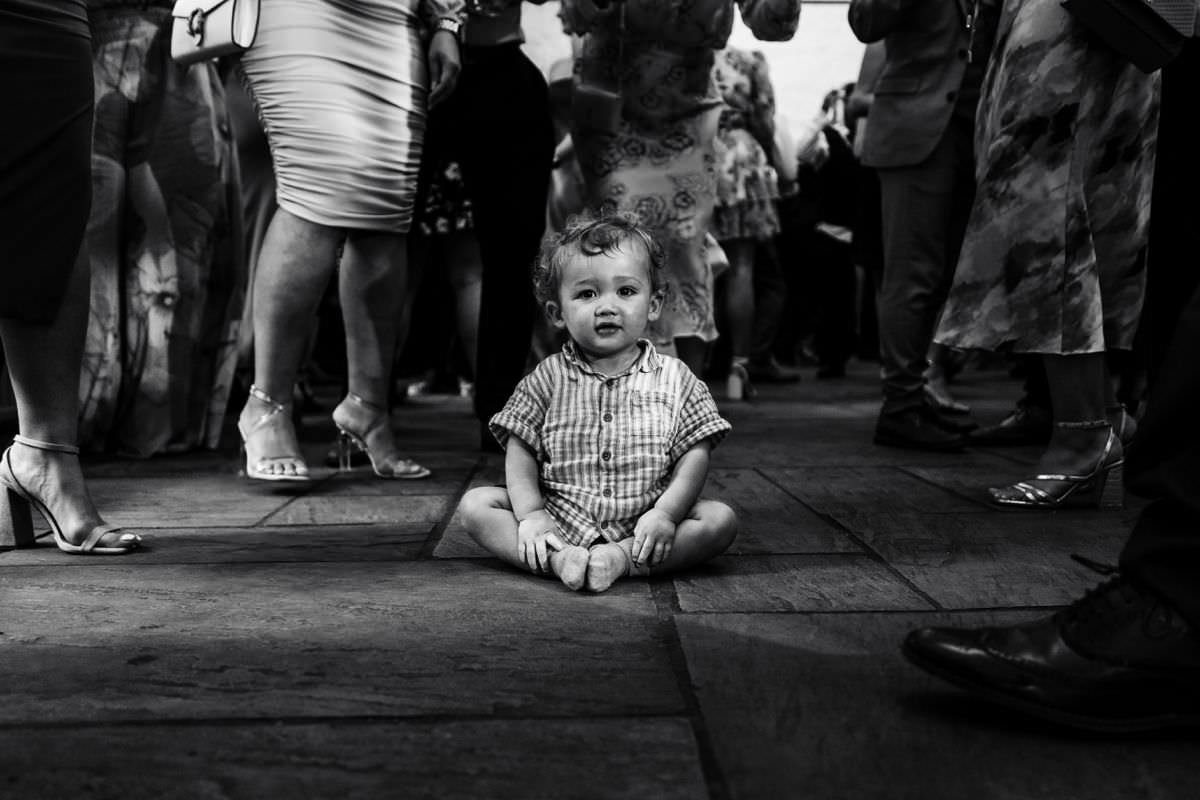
[(45, 157)]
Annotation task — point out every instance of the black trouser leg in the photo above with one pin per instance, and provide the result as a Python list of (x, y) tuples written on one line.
[(1163, 552), (504, 141)]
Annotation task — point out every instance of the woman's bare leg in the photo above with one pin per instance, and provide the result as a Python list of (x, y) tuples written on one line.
[(296, 262), (44, 362), (1080, 391)]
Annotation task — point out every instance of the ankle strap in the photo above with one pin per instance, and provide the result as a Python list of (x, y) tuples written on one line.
[(53, 447), (1085, 425), (358, 400), (260, 395)]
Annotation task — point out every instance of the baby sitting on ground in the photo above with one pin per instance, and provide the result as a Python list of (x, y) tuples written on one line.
[(607, 442)]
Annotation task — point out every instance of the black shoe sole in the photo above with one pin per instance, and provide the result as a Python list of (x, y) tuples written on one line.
[(1058, 716), (909, 444)]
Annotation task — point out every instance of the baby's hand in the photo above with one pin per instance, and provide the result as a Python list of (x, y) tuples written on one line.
[(652, 538), (537, 534)]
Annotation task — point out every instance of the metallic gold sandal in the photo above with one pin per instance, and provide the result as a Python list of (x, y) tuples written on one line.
[(1103, 487)]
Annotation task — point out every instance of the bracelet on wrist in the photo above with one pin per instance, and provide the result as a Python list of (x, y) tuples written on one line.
[(452, 25)]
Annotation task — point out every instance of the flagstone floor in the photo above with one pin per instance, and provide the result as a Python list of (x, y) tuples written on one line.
[(349, 641)]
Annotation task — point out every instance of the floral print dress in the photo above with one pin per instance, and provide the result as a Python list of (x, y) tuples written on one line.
[(747, 187), (1052, 261), (660, 161)]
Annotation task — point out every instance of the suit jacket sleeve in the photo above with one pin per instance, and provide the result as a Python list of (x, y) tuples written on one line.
[(871, 20)]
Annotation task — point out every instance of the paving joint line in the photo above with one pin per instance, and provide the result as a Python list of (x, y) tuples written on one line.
[(439, 528), (347, 720), (929, 482), (666, 603), (299, 494), (870, 551)]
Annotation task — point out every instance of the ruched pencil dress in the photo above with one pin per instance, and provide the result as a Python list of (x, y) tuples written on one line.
[(340, 87)]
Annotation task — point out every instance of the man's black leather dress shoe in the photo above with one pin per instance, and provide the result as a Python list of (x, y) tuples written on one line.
[(955, 423), (916, 428), (1025, 425), (1117, 660)]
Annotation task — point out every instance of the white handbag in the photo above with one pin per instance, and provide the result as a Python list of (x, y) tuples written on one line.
[(204, 29)]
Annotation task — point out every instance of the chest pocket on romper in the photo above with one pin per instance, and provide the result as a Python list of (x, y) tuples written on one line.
[(651, 419)]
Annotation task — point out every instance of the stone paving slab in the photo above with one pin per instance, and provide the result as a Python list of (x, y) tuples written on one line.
[(847, 493), (995, 559), (205, 500), (795, 583), (295, 543), (771, 520), (335, 509), (823, 706), (636, 758), (121, 642)]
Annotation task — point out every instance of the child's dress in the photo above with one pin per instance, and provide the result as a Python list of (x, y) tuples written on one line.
[(606, 446)]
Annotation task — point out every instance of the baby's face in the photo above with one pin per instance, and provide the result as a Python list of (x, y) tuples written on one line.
[(606, 302)]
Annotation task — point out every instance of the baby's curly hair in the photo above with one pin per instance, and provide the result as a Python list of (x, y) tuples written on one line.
[(589, 235)]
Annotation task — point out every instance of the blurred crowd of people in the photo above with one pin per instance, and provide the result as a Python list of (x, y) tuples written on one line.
[(391, 168)]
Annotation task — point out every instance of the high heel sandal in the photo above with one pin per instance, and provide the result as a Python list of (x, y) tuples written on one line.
[(737, 384), (276, 414), (1103, 487), (387, 465), (16, 521)]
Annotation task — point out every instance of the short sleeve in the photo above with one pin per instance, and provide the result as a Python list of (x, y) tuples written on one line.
[(433, 10), (525, 412), (699, 421)]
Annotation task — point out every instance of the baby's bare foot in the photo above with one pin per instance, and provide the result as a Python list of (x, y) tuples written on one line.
[(606, 563), (570, 565)]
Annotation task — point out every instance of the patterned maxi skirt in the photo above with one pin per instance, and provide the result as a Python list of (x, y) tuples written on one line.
[(1053, 259), (168, 275)]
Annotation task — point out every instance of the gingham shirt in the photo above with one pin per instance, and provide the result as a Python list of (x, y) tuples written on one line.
[(605, 446)]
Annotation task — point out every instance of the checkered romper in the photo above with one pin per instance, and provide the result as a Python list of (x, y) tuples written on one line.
[(606, 445)]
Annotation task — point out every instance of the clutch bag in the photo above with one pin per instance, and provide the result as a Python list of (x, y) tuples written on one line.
[(1150, 33), (205, 29)]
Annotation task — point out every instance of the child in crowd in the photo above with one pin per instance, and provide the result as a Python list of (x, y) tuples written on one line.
[(607, 442)]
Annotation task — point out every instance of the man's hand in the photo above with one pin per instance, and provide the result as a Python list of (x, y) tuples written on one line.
[(445, 62), (537, 535), (652, 538)]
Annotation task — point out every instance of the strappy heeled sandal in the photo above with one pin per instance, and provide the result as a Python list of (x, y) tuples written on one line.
[(277, 414), (384, 464), (16, 521), (1103, 487)]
